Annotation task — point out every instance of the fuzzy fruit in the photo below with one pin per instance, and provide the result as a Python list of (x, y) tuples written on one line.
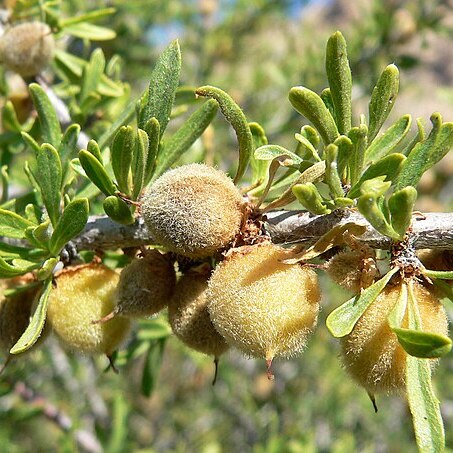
[(145, 286), (189, 317), (193, 210), (82, 294), (371, 352), (27, 48), (261, 306)]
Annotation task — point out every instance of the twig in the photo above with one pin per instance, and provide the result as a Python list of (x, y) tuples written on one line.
[(435, 230)]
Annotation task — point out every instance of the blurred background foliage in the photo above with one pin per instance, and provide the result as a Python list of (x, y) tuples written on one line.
[(256, 50)]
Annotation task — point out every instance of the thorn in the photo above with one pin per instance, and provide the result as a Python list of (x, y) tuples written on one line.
[(216, 369), (105, 318), (373, 400), (7, 361), (111, 365), (269, 373)]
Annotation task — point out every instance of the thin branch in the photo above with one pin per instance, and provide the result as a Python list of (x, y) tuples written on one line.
[(433, 230)]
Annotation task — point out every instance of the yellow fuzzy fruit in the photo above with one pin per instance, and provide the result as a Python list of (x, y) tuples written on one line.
[(189, 317), (371, 352), (145, 286), (193, 210), (27, 48), (82, 294), (15, 310), (261, 306)]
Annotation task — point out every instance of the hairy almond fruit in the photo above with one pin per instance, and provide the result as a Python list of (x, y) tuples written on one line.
[(193, 210), (27, 48), (261, 306), (82, 294), (189, 317), (371, 352)]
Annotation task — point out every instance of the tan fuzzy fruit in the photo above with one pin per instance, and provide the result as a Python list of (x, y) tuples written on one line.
[(371, 352), (82, 294), (189, 317), (193, 210), (145, 286), (27, 48), (261, 306)]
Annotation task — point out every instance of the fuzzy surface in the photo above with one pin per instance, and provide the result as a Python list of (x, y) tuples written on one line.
[(189, 317), (82, 295), (27, 48), (193, 210), (371, 352), (345, 268), (15, 312), (146, 285), (261, 306)]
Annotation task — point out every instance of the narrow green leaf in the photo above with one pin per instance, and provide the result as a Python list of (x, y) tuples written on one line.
[(309, 151), (259, 167), (388, 141), (343, 319), (91, 74), (70, 224), (33, 331), (139, 162), (9, 118), (340, 80), (309, 197), (49, 177), (425, 345), (30, 141), (152, 128), (96, 172), (151, 366), (68, 143), (235, 116), (12, 225), (311, 135), (396, 315), (388, 166), (162, 87), (7, 270), (332, 178), (345, 149), (94, 149), (185, 136), (50, 126), (326, 96), (401, 205), (423, 404), (153, 329), (382, 99), (270, 152), (358, 136), (118, 210), (47, 268), (121, 151), (310, 105), (427, 153), (85, 30), (442, 275), (86, 17)]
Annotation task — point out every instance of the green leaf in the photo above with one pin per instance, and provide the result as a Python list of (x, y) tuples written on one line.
[(71, 223), (423, 404), (427, 153), (356, 159), (340, 81), (121, 151), (424, 345), (382, 99), (47, 268), (118, 210), (185, 136), (48, 120), (12, 225), (332, 178), (259, 167), (96, 172), (326, 96), (235, 116), (68, 143), (86, 17), (8, 270), (151, 366), (401, 205), (9, 118), (30, 141), (162, 87), (138, 162), (306, 148), (153, 329), (343, 319), (152, 128), (270, 152), (49, 178), (310, 105), (91, 74), (387, 142), (345, 149), (93, 148), (442, 275), (85, 30), (309, 197), (388, 166), (33, 331), (396, 315)]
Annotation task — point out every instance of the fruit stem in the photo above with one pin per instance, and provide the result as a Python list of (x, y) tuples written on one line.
[(105, 318), (216, 369), (7, 361), (373, 400), (112, 364), (269, 373)]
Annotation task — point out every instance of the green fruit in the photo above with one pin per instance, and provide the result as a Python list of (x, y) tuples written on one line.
[(27, 48), (193, 210), (189, 317), (83, 294), (261, 306)]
